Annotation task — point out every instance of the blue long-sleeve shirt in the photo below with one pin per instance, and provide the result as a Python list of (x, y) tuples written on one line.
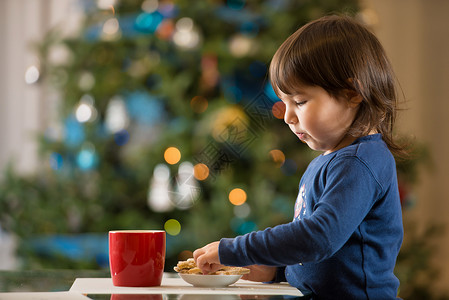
[(347, 230)]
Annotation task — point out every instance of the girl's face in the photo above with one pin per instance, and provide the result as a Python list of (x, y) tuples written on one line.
[(320, 120)]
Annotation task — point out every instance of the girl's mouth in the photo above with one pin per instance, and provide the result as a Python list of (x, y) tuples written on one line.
[(301, 135)]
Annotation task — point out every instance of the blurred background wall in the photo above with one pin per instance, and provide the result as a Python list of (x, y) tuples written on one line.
[(24, 108), (415, 34)]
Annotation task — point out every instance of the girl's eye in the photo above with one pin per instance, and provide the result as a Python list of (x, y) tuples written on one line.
[(301, 103)]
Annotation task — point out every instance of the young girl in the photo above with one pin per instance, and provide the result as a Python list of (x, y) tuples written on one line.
[(339, 93)]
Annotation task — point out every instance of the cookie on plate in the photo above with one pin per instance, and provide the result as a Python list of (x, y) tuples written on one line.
[(189, 267)]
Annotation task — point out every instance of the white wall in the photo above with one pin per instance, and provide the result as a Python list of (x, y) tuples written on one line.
[(18, 102), (24, 109)]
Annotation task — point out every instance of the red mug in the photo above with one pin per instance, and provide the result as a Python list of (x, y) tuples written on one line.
[(137, 257)]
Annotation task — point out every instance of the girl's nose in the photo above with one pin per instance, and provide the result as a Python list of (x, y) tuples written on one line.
[(290, 116)]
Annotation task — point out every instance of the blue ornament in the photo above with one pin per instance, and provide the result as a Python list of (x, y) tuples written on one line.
[(74, 132), (168, 10), (236, 223), (269, 92), (148, 22), (144, 108), (247, 227), (240, 226), (121, 137), (87, 159)]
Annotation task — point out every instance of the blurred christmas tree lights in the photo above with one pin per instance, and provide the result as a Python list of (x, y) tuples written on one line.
[(166, 121)]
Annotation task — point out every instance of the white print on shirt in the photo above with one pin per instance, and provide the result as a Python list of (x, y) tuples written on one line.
[(300, 202)]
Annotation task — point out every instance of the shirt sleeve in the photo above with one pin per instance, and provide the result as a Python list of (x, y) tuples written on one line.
[(350, 190)]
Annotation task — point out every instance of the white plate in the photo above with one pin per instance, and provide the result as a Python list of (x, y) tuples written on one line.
[(210, 280)]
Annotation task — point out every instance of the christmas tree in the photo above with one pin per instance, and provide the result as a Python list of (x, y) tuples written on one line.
[(166, 120)]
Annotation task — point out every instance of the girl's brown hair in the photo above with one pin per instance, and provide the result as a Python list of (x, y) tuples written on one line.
[(337, 53)]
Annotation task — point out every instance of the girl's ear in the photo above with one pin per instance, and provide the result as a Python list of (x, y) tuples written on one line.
[(354, 98)]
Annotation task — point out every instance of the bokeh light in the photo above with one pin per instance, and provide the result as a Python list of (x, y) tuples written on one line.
[(150, 6), (241, 45), (161, 172), (116, 115), (32, 75), (278, 110), (60, 54), (111, 26), (83, 112), (172, 227), (87, 158), (159, 196), (186, 189), (105, 4), (200, 171), (86, 81), (172, 155), (229, 118), (278, 157), (144, 108), (247, 227), (74, 133), (199, 104), (184, 24), (166, 29), (111, 29), (237, 196), (186, 34), (269, 92), (168, 9), (242, 226), (186, 169), (242, 211)]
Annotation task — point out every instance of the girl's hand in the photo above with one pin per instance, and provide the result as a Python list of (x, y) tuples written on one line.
[(207, 258), (260, 273)]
